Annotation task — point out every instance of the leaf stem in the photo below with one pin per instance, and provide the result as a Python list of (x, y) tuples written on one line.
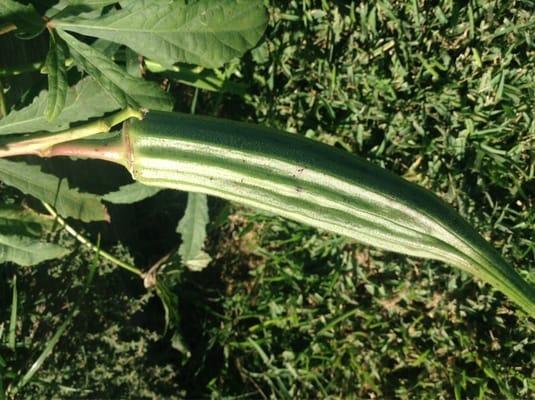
[(41, 144), (90, 245)]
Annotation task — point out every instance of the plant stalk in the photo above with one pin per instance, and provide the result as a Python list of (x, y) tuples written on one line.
[(7, 28), (90, 245), (42, 144)]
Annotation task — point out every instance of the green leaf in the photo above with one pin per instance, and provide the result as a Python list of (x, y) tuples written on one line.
[(206, 32), (131, 193), (198, 77), (57, 78), (69, 202), (23, 221), (27, 251), (106, 47), (92, 4), (23, 16), (198, 262), (20, 232), (66, 8), (192, 228), (127, 90), (83, 101), (133, 65)]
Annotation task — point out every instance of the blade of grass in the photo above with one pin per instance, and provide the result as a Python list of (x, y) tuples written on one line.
[(45, 353), (51, 344), (339, 319), (13, 317), (267, 362), (3, 109)]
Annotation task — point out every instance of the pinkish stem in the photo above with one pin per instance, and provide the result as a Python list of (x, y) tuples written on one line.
[(112, 150)]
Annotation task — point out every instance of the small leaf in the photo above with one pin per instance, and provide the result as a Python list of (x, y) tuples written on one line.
[(205, 32), (23, 16), (57, 77), (83, 101), (192, 228), (131, 193), (69, 202), (127, 90)]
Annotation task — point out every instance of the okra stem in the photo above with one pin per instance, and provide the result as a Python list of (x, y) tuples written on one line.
[(42, 144)]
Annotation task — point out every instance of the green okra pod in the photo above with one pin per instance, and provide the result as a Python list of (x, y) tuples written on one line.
[(312, 183)]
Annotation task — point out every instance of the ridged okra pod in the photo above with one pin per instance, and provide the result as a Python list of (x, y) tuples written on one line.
[(315, 184)]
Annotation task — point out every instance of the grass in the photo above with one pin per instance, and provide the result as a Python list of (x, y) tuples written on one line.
[(442, 93)]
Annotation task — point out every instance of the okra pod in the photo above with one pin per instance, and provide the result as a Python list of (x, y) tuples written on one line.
[(311, 183)]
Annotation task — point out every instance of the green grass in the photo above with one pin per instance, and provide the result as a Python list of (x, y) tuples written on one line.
[(442, 93)]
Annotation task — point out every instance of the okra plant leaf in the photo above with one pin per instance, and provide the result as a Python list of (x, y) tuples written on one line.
[(21, 231), (21, 221), (57, 77), (23, 16), (132, 63), (27, 251), (192, 228), (198, 77), (83, 101), (93, 4), (205, 32), (67, 8), (69, 202), (131, 193), (127, 90)]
